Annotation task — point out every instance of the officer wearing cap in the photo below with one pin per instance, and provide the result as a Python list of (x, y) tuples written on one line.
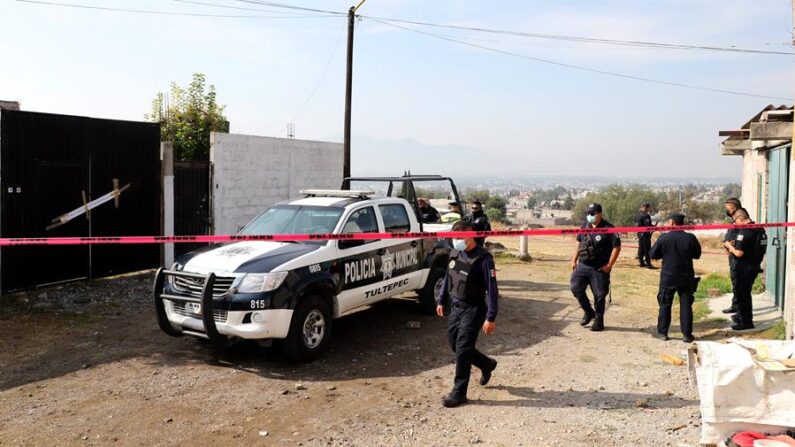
[(591, 266), (731, 205), (748, 250), (677, 250), (643, 219), (470, 287)]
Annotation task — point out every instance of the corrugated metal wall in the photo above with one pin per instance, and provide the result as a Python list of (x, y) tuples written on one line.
[(46, 162)]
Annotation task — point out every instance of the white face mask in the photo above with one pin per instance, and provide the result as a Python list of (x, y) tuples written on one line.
[(459, 244), (591, 219)]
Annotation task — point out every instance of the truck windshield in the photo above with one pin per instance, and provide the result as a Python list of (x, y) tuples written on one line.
[(294, 219)]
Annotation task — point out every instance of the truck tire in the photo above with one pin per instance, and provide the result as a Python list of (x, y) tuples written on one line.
[(310, 329), (427, 295)]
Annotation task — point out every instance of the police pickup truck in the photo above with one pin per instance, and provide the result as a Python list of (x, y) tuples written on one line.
[(291, 291)]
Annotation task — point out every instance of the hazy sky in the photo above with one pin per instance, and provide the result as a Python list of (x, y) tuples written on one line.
[(452, 108)]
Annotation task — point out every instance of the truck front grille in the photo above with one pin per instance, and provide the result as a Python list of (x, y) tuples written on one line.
[(219, 315), (194, 286)]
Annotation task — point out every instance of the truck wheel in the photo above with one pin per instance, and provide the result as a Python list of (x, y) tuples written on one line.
[(310, 329), (433, 286)]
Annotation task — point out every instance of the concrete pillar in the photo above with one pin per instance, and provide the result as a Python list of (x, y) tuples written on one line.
[(524, 252), (167, 217)]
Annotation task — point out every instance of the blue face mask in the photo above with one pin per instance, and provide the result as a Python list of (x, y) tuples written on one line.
[(459, 244), (590, 218)]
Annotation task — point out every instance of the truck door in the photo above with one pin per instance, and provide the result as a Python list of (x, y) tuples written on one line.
[(360, 261), (403, 256)]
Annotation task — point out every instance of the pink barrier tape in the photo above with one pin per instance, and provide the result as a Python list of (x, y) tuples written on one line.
[(364, 236)]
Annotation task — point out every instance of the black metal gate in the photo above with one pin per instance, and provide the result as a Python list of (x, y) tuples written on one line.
[(191, 201), (47, 163)]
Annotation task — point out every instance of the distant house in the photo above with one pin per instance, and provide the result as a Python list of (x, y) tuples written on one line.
[(768, 193)]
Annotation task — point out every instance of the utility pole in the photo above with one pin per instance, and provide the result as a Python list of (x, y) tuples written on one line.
[(346, 142)]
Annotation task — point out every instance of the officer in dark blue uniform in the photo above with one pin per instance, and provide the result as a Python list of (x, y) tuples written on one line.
[(732, 204), (596, 253), (480, 222), (471, 288), (677, 250), (643, 219), (748, 250), (429, 213)]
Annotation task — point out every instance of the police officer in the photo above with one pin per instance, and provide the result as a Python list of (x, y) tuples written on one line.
[(677, 250), (471, 287), (429, 214), (747, 249), (596, 253), (643, 219), (480, 221), (453, 215), (731, 205)]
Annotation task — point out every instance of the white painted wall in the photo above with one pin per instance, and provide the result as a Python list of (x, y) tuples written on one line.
[(754, 164), (251, 173), (789, 293)]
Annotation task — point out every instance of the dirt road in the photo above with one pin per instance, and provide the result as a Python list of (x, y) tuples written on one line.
[(102, 373)]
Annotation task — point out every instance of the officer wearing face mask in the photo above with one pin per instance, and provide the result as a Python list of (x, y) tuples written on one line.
[(480, 222), (591, 266), (731, 206), (470, 287)]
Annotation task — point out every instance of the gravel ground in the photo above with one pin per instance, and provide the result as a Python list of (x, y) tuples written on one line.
[(85, 364)]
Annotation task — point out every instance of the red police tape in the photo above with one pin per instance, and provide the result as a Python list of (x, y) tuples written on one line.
[(363, 236)]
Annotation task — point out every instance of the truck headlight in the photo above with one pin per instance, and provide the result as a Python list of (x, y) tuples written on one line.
[(261, 282), (170, 278)]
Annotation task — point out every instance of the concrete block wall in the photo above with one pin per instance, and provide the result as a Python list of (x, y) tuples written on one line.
[(251, 173)]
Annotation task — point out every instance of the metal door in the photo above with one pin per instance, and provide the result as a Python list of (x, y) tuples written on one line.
[(778, 169), (191, 202)]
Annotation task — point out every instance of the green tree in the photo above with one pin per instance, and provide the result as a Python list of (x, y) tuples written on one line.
[(496, 203), (619, 203), (494, 215), (731, 190), (430, 193), (470, 195), (188, 117), (568, 203)]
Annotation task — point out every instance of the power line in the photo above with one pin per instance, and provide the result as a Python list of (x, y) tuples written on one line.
[(579, 67), (297, 8), (239, 8), (168, 13), (633, 43), (319, 82)]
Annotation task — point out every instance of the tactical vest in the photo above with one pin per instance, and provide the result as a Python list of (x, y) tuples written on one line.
[(461, 284)]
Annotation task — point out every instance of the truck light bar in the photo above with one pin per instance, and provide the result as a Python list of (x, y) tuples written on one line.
[(337, 193)]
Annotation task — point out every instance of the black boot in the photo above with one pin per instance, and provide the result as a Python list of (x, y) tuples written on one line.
[(587, 317), (452, 400), (598, 324), (486, 375)]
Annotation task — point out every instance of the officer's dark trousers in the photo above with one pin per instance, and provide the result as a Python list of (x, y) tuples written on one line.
[(743, 284), (665, 298), (581, 278), (463, 328), (733, 276), (644, 246)]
